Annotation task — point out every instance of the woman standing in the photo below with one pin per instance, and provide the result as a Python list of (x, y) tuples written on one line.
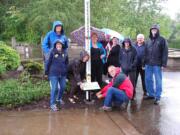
[(128, 61), (56, 71), (98, 55), (113, 53)]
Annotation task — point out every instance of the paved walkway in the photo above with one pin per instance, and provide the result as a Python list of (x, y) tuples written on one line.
[(141, 117)]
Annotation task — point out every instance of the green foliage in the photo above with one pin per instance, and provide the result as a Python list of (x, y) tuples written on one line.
[(28, 20), (9, 58), (19, 92), (174, 43), (33, 67)]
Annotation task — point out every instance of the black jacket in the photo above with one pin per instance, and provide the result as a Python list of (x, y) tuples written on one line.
[(156, 52), (77, 70), (113, 58), (128, 59)]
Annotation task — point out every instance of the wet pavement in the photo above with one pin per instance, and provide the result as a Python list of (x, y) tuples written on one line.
[(140, 118)]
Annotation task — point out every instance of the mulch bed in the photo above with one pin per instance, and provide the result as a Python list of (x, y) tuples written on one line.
[(43, 104)]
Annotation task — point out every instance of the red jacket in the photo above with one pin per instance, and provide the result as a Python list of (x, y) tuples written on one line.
[(125, 84)]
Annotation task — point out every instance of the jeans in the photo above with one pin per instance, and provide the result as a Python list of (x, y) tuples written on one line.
[(151, 90), (56, 91), (115, 95)]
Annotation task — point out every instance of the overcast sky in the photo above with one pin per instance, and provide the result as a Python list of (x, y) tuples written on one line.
[(172, 7)]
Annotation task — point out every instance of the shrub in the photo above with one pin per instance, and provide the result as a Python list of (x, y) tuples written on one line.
[(33, 67), (14, 92), (9, 58)]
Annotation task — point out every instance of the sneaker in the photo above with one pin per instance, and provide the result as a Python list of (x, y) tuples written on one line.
[(75, 97), (148, 98), (54, 108), (156, 102), (71, 100), (105, 108), (124, 105)]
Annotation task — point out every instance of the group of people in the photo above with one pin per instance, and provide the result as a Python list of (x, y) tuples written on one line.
[(122, 63)]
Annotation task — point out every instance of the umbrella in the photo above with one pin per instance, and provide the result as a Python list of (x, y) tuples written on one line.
[(78, 35), (113, 33)]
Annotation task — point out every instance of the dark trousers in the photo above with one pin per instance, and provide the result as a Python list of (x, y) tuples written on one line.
[(132, 77), (74, 87), (142, 74), (96, 71)]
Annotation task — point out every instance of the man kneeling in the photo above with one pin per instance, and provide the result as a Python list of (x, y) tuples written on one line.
[(119, 90)]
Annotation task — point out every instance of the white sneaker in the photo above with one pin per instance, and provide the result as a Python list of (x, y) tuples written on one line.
[(54, 108)]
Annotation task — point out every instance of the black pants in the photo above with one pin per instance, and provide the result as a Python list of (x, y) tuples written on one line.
[(96, 71), (74, 87), (132, 77), (142, 74)]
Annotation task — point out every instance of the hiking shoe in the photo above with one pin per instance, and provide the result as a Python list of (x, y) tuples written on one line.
[(105, 108), (156, 102), (71, 100), (54, 108), (75, 97)]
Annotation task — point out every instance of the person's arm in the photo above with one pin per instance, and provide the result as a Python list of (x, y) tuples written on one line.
[(119, 80), (105, 89), (120, 57), (164, 53), (67, 60), (103, 51), (76, 71), (134, 64), (66, 42), (46, 43), (49, 61)]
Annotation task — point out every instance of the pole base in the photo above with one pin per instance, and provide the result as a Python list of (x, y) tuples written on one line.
[(89, 102)]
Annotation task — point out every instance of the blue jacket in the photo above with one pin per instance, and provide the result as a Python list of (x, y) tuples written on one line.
[(51, 36), (57, 62), (103, 51)]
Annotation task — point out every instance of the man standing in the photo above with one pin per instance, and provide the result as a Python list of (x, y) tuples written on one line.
[(156, 55), (57, 32), (140, 48)]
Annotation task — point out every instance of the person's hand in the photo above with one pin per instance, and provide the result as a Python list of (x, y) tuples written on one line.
[(143, 68), (98, 93), (100, 96), (79, 83), (163, 68), (102, 56)]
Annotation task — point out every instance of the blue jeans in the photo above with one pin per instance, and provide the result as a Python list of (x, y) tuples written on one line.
[(157, 72), (115, 95), (56, 91)]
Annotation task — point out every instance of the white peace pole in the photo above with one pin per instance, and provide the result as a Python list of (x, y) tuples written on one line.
[(88, 86), (87, 38), (87, 43)]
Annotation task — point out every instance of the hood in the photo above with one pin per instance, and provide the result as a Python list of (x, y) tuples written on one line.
[(58, 41), (83, 54), (154, 26), (126, 40), (118, 70), (56, 23)]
